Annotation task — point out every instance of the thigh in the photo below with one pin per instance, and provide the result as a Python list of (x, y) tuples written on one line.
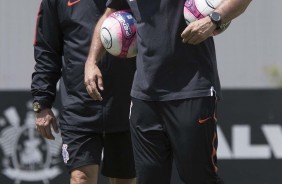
[(118, 160), (191, 127), (152, 151), (81, 148)]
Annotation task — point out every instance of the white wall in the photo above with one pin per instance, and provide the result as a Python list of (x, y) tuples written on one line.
[(17, 26), (250, 45)]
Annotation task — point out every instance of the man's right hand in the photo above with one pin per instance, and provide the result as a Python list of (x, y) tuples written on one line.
[(44, 120), (92, 75), (93, 80)]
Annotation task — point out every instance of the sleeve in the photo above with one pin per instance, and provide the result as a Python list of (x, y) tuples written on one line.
[(48, 46), (117, 4)]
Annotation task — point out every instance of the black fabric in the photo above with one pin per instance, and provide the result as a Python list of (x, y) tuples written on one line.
[(118, 5), (62, 41), (118, 161), (48, 49), (81, 149), (179, 130), (167, 69)]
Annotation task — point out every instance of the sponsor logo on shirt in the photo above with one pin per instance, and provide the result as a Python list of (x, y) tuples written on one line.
[(71, 2)]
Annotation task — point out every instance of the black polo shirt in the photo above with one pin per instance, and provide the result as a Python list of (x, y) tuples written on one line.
[(168, 69)]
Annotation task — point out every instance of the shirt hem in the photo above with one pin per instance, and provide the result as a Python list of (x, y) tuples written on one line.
[(172, 96)]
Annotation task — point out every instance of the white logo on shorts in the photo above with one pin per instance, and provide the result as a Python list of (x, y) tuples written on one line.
[(131, 104), (65, 153)]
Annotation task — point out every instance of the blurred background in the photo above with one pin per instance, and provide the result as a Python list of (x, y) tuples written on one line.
[(250, 114)]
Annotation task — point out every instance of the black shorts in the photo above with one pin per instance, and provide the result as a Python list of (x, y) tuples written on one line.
[(183, 130), (84, 148)]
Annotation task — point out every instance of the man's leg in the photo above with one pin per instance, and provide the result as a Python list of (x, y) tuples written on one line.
[(122, 181), (191, 126), (152, 149), (85, 175), (118, 160), (82, 155)]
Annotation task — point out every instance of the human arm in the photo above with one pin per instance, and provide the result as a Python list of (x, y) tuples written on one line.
[(44, 120), (48, 46), (92, 75), (198, 31)]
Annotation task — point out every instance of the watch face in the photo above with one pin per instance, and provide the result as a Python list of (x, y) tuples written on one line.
[(216, 19), (215, 16), (36, 107)]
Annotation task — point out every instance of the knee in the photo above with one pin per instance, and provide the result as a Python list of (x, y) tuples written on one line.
[(78, 177), (122, 181), (83, 176)]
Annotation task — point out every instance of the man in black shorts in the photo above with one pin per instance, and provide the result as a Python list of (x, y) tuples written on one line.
[(175, 89), (88, 127)]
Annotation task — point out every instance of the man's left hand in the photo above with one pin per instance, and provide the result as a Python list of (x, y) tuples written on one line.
[(198, 31)]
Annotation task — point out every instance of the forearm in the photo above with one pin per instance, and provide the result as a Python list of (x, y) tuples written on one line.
[(48, 50), (44, 81), (96, 49), (230, 9)]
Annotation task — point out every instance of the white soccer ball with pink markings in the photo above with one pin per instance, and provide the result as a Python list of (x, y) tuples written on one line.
[(198, 9), (118, 34)]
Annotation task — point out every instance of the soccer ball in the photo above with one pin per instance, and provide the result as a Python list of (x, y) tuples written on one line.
[(198, 9), (118, 34)]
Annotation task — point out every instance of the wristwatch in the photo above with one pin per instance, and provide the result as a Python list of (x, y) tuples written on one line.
[(36, 107), (216, 19)]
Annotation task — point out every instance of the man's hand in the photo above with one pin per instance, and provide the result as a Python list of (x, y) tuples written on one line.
[(93, 80), (44, 120), (198, 31), (92, 75)]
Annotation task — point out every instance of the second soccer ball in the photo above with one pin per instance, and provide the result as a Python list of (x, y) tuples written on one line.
[(118, 34)]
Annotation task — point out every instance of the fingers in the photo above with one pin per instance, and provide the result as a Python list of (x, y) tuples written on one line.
[(194, 40), (43, 128), (193, 37), (186, 35), (100, 83), (198, 31), (44, 120), (48, 132), (91, 87), (93, 91), (54, 125)]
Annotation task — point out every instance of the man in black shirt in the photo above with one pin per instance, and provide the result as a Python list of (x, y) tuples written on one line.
[(175, 89), (63, 35)]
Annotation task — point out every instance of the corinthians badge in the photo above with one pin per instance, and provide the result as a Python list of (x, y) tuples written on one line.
[(27, 156)]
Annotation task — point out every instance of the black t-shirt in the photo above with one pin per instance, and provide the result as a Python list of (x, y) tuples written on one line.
[(168, 69)]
